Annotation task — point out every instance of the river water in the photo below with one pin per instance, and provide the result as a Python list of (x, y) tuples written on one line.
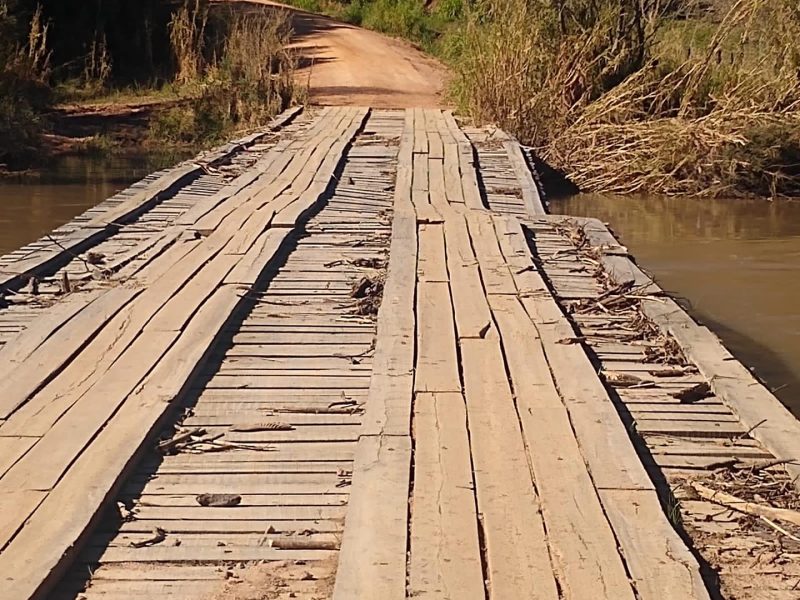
[(735, 264), (33, 206)]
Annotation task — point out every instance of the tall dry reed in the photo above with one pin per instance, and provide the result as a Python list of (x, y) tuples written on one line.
[(24, 73), (187, 30), (241, 67), (601, 95)]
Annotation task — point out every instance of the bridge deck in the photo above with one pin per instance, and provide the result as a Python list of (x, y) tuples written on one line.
[(506, 426)]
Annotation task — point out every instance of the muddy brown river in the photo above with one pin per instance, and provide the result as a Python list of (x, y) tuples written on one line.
[(734, 263), (32, 206)]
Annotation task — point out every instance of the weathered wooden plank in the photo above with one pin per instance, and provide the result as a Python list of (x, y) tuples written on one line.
[(436, 368), (21, 346), (435, 143), (167, 573), (602, 437), (190, 485), (530, 191), (388, 410), (155, 554), (677, 417), (258, 525), (757, 408), (661, 566), (300, 350), (288, 465), (517, 557), (94, 474), (419, 141), (141, 200), (17, 506), (495, 271), (577, 530), (469, 302), (288, 381), (265, 251), (431, 262), (688, 428), (12, 449), (23, 379), (677, 572), (444, 560), (264, 514), (466, 157), (381, 477), (308, 201), (452, 175), (174, 315)]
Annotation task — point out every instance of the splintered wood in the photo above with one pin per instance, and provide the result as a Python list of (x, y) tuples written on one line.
[(219, 414)]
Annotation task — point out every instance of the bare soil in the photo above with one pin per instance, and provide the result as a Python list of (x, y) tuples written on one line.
[(344, 65), (278, 580)]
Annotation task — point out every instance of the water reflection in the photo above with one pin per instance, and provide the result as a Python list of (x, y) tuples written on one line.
[(31, 207), (737, 262)]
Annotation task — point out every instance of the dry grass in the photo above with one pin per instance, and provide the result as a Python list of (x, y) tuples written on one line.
[(239, 65), (24, 72), (187, 38), (256, 68), (601, 96)]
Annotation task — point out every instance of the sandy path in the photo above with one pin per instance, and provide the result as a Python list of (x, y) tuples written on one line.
[(347, 65)]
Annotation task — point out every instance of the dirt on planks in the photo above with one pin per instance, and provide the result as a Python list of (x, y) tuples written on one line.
[(367, 292), (278, 580), (741, 516), (755, 558)]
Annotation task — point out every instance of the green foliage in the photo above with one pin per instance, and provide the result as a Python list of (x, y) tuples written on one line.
[(314, 6), (409, 19), (176, 125)]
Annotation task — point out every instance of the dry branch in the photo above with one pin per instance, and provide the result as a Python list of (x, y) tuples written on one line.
[(743, 506)]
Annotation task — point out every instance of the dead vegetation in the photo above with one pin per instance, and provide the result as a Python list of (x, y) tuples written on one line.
[(629, 96), (25, 68), (751, 536), (368, 294), (622, 299), (239, 65), (742, 514), (366, 291)]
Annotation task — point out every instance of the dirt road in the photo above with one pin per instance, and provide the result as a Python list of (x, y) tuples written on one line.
[(347, 65)]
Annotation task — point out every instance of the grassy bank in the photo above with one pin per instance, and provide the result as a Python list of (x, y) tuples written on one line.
[(235, 68), (670, 96), (624, 96), (214, 70)]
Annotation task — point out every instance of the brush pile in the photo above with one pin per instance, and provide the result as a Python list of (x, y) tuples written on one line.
[(644, 95)]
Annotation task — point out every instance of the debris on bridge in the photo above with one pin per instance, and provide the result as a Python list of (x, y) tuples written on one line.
[(350, 356)]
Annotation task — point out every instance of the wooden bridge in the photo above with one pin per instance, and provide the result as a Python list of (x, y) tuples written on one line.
[(202, 399)]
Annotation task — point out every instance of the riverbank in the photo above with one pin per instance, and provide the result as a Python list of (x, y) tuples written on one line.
[(225, 70)]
